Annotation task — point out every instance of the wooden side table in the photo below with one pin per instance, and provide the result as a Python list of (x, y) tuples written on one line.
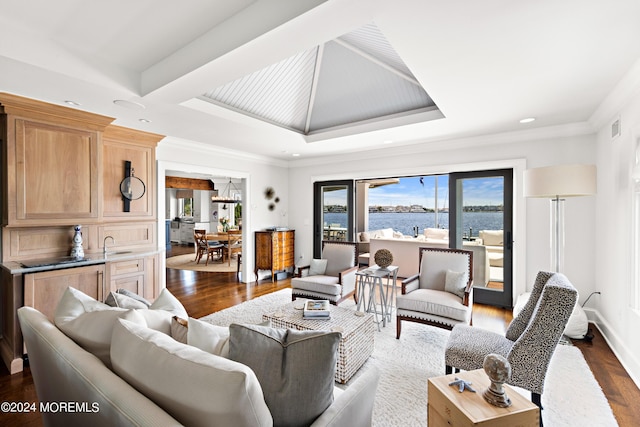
[(448, 407)]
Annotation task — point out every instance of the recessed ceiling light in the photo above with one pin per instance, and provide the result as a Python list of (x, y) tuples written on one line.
[(388, 141), (73, 103), (129, 104), (528, 120), (296, 154), (144, 120)]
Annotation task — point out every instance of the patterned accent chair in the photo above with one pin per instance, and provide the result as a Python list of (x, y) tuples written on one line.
[(440, 294), (336, 281), (530, 340)]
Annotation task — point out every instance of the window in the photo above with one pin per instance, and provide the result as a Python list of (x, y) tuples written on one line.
[(186, 206)]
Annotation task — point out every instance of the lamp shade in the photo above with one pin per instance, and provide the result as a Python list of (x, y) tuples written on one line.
[(560, 181)]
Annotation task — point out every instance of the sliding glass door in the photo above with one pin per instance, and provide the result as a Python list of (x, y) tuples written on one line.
[(333, 213), (481, 219)]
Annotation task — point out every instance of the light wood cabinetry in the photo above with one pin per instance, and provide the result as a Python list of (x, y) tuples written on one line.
[(62, 167), (448, 407), (51, 157), (43, 290), (138, 275), (120, 145), (274, 251)]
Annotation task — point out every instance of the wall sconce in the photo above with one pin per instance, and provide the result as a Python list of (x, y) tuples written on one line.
[(131, 187)]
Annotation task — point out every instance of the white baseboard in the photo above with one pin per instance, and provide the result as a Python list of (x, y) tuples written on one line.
[(629, 361)]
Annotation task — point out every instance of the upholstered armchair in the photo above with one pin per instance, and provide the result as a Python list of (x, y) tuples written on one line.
[(530, 340), (440, 294), (333, 277)]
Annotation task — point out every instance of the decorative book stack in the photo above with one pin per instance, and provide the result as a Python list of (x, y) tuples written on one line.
[(316, 310)]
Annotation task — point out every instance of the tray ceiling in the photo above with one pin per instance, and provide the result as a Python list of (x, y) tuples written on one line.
[(355, 79)]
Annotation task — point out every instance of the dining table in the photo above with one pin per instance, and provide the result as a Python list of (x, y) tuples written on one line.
[(228, 238)]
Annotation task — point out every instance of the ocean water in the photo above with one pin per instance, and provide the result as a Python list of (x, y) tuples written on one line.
[(405, 221)]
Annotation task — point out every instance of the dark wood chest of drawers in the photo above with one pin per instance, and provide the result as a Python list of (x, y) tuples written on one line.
[(274, 251)]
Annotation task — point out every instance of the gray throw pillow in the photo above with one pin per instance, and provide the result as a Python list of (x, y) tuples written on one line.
[(133, 295), (115, 299), (295, 369)]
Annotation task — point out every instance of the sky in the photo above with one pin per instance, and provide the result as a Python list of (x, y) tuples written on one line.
[(421, 191), (417, 191)]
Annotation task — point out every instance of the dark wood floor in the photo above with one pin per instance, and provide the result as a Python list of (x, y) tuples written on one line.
[(204, 293)]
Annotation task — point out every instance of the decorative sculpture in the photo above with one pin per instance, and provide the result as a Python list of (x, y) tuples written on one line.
[(462, 385), (498, 370), (383, 258)]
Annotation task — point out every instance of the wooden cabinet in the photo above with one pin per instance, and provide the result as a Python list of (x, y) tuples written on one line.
[(448, 407), (60, 167), (274, 251), (120, 145), (51, 157), (137, 275), (43, 290)]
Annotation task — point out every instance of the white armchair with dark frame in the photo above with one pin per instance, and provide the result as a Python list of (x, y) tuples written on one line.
[(332, 277)]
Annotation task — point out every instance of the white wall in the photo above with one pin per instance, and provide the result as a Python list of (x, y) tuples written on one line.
[(257, 174), (615, 316), (532, 226)]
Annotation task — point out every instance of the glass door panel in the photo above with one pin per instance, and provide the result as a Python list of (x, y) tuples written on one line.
[(481, 215), (333, 213)]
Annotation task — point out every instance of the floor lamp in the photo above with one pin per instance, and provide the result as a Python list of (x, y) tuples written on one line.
[(558, 183)]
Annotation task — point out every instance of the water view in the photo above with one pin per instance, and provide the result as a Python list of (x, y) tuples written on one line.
[(405, 221)]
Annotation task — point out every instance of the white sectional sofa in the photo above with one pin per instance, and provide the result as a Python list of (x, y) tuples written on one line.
[(406, 255), (160, 381)]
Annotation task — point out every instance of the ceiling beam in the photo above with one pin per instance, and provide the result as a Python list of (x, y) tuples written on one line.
[(188, 183)]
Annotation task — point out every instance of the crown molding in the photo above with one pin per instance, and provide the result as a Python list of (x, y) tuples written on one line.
[(203, 149), (628, 88), (428, 146)]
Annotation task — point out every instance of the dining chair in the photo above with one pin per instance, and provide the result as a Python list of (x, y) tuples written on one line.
[(233, 245), (205, 247)]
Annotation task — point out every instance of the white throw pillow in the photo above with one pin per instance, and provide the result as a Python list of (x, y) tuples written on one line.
[(317, 267), (207, 337), (194, 387), (166, 301), (88, 322), (455, 282)]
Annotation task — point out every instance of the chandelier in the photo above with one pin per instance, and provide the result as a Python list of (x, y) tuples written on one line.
[(230, 197)]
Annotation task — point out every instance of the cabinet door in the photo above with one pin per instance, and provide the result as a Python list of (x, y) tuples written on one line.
[(264, 250), (56, 173), (122, 145), (127, 274), (43, 290)]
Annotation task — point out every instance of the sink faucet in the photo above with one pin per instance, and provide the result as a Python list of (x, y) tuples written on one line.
[(104, 244)]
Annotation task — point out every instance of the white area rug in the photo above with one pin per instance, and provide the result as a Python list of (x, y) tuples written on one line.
[(572, 396)]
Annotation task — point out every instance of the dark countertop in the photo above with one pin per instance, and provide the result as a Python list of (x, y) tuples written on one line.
[(16, 267)]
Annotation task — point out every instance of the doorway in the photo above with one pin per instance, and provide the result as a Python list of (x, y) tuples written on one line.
[(333, 213), (481, 213)]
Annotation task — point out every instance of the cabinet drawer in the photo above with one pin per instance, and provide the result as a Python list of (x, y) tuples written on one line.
[(128, 266)]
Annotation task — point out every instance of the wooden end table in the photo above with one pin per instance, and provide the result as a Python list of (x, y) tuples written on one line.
[(448, 407)]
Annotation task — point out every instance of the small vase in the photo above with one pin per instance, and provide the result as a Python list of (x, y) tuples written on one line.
[(77, 251), (225, 227)]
